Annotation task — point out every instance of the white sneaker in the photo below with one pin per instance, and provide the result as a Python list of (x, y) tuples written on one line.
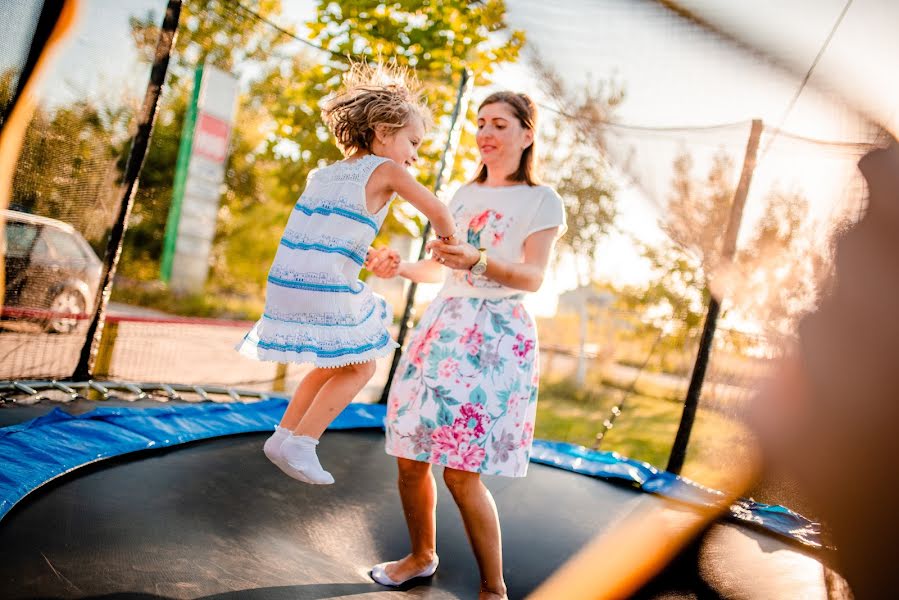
[(301, 461), (379, 573)]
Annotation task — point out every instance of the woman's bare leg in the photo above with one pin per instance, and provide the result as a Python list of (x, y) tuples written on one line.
[(482, 526), (418, 492)]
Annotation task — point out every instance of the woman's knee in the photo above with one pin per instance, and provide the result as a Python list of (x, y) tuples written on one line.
[(412, 471), (457, 480)]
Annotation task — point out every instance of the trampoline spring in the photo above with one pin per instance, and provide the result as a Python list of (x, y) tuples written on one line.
[(34, 396), (73, 393), (24, 388), (104, 391), (202, 393), (170, 391), (138, 392)]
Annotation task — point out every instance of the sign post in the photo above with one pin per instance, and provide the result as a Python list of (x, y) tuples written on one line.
[(199, 175)]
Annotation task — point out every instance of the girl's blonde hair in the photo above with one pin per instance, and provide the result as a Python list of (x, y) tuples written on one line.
[(372, 95)]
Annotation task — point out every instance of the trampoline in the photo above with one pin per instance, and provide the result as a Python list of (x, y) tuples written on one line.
[(214, 519), (198, 512)]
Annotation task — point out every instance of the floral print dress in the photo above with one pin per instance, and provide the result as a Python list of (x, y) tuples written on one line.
[(465, 394)]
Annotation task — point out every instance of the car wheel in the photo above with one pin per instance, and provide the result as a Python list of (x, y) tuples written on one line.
[(66, 302)]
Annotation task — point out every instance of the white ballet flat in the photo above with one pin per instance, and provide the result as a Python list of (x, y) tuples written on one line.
[(379, 573)]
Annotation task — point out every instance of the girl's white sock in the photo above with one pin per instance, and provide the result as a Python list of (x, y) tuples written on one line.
[(272, 446), (272, 450), (299, 455)]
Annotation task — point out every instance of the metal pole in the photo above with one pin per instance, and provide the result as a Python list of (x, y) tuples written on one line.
[(729, 246), (132, 169), (446, 166), (55, 23)]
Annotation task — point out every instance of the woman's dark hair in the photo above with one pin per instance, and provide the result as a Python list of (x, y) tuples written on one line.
[(525, 111)]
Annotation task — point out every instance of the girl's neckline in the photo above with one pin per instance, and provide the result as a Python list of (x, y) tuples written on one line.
[(355, 161)]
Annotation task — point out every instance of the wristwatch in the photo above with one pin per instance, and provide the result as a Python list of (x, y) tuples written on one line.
[(480, 267)]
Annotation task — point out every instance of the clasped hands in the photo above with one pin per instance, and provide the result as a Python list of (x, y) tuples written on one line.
[(385, 262)]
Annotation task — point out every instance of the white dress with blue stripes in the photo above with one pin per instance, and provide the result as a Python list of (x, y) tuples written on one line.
[(316, 308)]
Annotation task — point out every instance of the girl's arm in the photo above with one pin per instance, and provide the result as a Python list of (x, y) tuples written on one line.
[(385, 263), (526, 275), (403, 184)]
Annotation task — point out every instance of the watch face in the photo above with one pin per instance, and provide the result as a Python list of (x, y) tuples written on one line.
[(479, 269)]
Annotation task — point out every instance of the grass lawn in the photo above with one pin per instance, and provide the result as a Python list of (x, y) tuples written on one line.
[(644, 430)]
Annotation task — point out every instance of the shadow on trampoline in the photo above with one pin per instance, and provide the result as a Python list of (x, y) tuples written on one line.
[(214, 519), (315, 591)]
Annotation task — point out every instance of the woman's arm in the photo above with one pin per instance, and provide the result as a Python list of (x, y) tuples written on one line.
[(422, 271), (385, 263), (526, 275)]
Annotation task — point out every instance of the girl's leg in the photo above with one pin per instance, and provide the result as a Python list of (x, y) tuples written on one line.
[(482, 526), (304, 395), (418, 492), (299, 403), (333, 396)]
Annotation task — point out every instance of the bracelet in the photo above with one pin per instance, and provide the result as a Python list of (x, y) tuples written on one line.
[(445, 238)]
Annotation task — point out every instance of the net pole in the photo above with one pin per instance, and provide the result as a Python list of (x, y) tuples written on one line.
[(729, 246), (54, 25), (133, 166), (466, 85)]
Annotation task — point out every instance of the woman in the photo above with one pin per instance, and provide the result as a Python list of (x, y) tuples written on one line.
[(465, 393)]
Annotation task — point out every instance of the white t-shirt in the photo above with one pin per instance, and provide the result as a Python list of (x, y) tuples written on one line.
[(499, 219)]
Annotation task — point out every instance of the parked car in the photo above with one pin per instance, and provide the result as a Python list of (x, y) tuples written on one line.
[(51, 272)]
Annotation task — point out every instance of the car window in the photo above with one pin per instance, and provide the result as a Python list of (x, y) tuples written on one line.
[(19, 238), (67, 248), (41, 249)]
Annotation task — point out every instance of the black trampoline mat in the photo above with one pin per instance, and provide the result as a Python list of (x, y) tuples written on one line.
[(215, 519)]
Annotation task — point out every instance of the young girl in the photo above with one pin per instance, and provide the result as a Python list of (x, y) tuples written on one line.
[(317, 311)]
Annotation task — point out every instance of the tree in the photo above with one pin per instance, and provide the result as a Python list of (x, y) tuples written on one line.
[(219, 33), (780, 270), (770, 282), (436, 38), (574, 161), (575, 164), (279, 136), (69, 166)]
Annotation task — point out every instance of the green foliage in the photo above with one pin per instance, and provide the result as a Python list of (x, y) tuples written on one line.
[(674, 301), (589, 197), (69, 167), (279, 136), (770, 281), (573, 157), (644, 431), (154, 294)]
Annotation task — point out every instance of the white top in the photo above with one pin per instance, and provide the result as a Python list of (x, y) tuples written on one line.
[(316, 309), (499, 219)]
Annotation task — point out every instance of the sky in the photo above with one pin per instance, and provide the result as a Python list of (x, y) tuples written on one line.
[(97, 60), (677, 76), (674, 76)]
